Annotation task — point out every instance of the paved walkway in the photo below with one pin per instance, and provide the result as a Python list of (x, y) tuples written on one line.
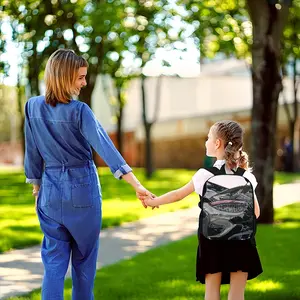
[(21, 270)]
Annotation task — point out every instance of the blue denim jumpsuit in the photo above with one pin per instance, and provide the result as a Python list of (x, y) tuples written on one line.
[(58, 157)]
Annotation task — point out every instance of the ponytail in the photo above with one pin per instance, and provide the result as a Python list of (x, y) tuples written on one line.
[(236, 158), (243, 160), (231, 133)]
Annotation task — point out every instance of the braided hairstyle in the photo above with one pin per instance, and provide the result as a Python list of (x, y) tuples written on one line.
[(231, 133)]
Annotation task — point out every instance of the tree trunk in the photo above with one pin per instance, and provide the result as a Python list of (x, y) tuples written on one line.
[(33, 74), (148, 148), (295, 154), (147, 128), (86, 93), (267, 84), (93, 72), (120, 120)]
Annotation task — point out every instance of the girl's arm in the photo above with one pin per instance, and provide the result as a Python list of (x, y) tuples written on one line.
[(256, 207), (172, 196)]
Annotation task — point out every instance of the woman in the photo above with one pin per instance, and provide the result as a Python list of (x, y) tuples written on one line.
[(60, 133)]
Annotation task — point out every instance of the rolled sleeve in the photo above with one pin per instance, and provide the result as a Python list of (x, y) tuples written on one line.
[(33, 162), (34, 181), (122, 171), (97, 137)]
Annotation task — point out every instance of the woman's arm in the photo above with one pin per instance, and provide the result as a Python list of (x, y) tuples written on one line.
[(33, 161), (172, 196), (141, 192), (98, 138), (132, 180)]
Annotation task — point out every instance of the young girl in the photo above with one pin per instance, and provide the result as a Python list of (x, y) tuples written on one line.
[(59, 134), (221, 261)]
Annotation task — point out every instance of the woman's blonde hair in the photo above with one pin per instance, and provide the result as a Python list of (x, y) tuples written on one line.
[(231, 133), (60, 75)]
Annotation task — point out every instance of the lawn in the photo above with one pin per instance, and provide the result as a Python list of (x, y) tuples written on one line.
[(168, 273), (19, 226)]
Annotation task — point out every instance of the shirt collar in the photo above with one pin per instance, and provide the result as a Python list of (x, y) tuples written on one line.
[(219, 163)]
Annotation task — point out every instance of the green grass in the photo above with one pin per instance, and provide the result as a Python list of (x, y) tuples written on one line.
[(19, 226), (168, 272), (283, 177)]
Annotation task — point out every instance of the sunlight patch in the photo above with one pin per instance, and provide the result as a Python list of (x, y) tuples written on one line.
[(294, 272), (264, 286), (173, 283), (289, 225)]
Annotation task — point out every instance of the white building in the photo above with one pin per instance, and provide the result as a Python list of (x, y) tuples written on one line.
[(187, 109)]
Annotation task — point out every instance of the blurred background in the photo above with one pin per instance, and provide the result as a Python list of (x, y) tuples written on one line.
[(161, 72)]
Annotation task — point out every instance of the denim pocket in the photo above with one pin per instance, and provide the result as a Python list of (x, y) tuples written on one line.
[(82, 195), (44, 195)]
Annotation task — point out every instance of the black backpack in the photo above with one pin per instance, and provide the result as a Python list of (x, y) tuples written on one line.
[(227, 204)]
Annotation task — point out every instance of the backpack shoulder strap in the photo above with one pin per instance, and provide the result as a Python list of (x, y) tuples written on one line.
[(239, 171), (213, 170)]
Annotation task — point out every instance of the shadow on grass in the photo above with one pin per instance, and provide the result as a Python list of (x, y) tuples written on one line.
[(284, 177), (19, 229), (168, 272), (13, 237)]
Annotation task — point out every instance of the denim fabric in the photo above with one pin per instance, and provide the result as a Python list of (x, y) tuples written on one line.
[(69, 211), (58, 157), (64, 135)]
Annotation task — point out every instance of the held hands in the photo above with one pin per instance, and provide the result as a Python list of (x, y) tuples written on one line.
[(144, 194), (149, 201)]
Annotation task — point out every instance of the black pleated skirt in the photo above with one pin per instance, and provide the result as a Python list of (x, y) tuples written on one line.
[(227, 256)]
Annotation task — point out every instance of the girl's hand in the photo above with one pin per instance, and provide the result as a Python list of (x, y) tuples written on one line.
[(143, 193), (149, 202)]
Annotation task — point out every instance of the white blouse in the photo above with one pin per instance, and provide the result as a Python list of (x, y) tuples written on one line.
[(202, 175)]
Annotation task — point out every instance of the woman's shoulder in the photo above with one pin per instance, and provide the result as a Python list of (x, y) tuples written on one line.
[(35, 99)]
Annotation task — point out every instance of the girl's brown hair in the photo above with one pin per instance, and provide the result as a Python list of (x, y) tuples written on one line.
[(231, 133), (60, 75)]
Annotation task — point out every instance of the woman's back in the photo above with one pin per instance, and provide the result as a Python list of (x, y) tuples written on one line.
[(57, 131)]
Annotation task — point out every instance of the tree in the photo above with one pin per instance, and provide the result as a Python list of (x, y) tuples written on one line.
[(150, 31), (290, 58), (44, 26), (224, 26), (268, 27)]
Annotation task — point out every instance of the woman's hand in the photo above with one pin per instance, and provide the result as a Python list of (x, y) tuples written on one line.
[(36, 203), (142, 193), (35, 193)]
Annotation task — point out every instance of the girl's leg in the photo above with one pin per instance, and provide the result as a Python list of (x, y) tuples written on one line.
[(238, 282), (212, 286)]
